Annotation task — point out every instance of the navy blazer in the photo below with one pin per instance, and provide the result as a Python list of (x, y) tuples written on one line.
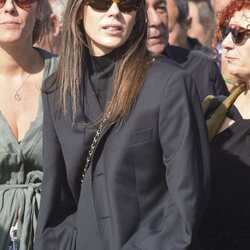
[(147, 186)]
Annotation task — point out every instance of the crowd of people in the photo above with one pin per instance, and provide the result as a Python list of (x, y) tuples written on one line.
[(124, 124)]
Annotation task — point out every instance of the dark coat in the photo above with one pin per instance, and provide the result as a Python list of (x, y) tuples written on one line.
[(147, 185), (204, 70)]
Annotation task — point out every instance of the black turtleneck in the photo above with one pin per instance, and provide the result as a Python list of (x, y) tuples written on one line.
[(100, 75)]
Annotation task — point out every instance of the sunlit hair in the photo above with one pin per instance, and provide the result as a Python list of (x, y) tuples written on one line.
[(227, 14), (129, 72)]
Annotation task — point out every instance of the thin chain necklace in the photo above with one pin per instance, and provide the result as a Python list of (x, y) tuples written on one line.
[(17, 96)]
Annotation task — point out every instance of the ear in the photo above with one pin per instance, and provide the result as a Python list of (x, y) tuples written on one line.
[(55, 25), (189, 22)]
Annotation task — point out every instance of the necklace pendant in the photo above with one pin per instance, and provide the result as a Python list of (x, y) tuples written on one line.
[(17, 97)]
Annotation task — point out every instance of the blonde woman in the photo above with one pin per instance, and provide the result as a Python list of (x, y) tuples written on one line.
[(22, 71)]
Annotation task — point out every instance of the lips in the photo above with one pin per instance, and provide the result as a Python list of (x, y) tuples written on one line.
[(10, 22), (155, 38), (112, 27), (230, 58), (10, 25)]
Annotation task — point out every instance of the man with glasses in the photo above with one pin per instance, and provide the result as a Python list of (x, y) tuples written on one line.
[(204, 70)]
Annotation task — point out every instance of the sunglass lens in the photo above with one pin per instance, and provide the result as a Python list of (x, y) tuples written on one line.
[(101, 5), (225, 31), (128, 5), (25, 3), (124, 5), (237, 36)]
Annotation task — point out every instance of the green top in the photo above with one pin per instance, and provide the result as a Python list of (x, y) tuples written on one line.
[(21, 175)]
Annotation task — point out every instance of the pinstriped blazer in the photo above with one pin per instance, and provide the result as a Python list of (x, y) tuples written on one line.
[(203, 69), (147, 186)]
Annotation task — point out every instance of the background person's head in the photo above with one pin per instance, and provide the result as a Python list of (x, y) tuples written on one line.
[(218, 6), (178, 21), (157, 25), (234, 31), (202, 24), (53, 22)]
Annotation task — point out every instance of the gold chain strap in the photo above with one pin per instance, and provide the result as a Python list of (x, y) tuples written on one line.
[(93, 147)]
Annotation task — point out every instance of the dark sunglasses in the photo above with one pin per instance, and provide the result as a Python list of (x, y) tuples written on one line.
[(238, 33), (24, 4), (125, 6)]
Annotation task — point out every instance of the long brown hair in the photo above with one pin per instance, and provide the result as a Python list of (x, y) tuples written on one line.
[(39, 24), (130, 68)]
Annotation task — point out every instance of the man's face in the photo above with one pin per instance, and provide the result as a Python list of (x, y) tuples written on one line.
[(157, 25)]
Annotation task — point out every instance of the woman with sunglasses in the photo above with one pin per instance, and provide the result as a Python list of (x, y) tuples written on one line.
[(226, 224), (22, 71), (125, 150)]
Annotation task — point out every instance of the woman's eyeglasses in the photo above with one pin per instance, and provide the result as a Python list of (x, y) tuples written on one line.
[(125, 6), (24, 4), (238, 33)]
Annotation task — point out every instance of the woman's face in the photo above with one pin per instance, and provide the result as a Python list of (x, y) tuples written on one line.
[(16, 23), (107, 30), (237, 54)]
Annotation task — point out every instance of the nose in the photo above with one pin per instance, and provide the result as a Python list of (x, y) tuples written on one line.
[(114, 10), (9, 6), (153, 17), (228, 43)]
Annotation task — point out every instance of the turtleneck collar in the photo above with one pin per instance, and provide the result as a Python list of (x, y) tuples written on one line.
[(98, 64)]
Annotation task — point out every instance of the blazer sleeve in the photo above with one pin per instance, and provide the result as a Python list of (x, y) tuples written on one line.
[(186, 157), (183, 139), (54, 189)]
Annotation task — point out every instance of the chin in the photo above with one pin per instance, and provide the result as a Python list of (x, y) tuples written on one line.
[(156, 49)]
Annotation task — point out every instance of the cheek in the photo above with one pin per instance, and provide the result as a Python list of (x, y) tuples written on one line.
[(91, 22), (28, 25), (245, 62), (130, 22), (244, 54), (248, 53), (31, 19)]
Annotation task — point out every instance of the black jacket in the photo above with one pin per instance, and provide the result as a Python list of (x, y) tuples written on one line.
[(147, 185), (204, 70)]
